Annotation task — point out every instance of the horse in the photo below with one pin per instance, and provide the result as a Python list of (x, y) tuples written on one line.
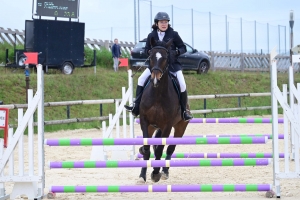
[(160, 109)]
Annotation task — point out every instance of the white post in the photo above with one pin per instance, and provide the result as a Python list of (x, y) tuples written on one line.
[(30, 138), (110, 122), (275, 126), (41, 152), (131, 119), (124, 115), (286, 134), (103, 133), (292, 102), (118, 121), (21, 144), (11, 158)]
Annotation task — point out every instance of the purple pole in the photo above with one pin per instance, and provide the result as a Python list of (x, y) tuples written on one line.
[(230, 120), (163, 188), (159, 163), (217, 155), (155, 141), (280, 136)]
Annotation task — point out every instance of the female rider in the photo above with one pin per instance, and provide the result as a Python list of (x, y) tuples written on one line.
[(162, 31)]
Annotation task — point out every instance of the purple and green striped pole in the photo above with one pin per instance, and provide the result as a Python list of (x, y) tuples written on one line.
[(159, 163), (163, 188), (217, 155), (280, 136), (155, 141), (230, 120)]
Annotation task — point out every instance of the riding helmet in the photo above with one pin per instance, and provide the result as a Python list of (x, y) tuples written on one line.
[(161, 16)]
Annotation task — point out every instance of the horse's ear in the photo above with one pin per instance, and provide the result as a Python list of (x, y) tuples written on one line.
[(152, 42), (169, 43)]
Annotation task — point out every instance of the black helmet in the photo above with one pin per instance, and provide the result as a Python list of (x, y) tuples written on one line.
[(161, 16)]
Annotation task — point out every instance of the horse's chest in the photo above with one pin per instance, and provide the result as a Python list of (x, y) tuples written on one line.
[(157, 115)]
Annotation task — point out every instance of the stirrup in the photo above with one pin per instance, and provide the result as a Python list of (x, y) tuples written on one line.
[(188, 117), (129, 108)]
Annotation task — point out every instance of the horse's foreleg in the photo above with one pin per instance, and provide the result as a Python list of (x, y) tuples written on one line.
[(157, 135), (145, 151), (155, 175), (165, 171)]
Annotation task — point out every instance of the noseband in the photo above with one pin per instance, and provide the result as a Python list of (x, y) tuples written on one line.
[(156, 67)]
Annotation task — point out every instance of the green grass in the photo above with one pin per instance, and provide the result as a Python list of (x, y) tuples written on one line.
[(84, 84)]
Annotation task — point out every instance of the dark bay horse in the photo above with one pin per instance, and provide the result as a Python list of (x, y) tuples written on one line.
[(160, 109)]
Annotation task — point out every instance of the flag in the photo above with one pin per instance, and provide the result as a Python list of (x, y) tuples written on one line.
[(32, 58), (123, 62)]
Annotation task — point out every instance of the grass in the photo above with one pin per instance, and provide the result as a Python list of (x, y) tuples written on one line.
[(84, 84)]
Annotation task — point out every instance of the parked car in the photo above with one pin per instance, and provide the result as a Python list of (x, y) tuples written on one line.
[(191, 60)]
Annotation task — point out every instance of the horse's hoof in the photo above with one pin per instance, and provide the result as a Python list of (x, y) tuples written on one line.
[(155, 177), (164, 175), (270, 194), (140, 181), (141, 150)]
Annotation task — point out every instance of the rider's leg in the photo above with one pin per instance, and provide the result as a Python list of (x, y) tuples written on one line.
[(135, 108), (183, 97)]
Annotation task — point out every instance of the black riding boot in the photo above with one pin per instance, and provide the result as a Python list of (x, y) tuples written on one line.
[(135, 108), (185, 115)]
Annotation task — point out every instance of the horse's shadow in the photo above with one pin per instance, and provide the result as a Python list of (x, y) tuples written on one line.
[(160, 109)]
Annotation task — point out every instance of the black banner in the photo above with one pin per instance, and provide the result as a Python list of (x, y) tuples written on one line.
[(58, 8)]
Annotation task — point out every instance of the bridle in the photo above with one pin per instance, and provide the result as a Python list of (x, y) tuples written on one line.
[(156, 67)]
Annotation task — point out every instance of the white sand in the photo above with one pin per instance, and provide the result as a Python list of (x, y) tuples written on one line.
[(192, 175)]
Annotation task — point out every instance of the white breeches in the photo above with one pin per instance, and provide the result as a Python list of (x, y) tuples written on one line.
[(178, 74)]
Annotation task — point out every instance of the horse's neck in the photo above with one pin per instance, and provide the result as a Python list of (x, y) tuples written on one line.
[(164, 84)]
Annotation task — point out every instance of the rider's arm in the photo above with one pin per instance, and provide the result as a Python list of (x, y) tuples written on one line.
[(148, 45), (181, 48)]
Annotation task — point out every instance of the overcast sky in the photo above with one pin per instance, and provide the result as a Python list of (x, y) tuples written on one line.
[(111, 19)]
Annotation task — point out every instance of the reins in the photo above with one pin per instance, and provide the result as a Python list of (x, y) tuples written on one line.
[(140, 67)]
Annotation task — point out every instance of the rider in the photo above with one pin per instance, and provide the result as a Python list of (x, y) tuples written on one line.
[(162, 31)]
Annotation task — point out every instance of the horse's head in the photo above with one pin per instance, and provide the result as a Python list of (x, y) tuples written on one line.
[(159, 59)]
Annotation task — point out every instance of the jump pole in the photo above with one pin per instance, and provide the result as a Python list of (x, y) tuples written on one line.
[(155, 141), (216, 155), (230, 120), (163, 188), (280, 136), (159, 163)]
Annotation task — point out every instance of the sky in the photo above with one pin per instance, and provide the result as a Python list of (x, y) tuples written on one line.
[(252, 25)]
